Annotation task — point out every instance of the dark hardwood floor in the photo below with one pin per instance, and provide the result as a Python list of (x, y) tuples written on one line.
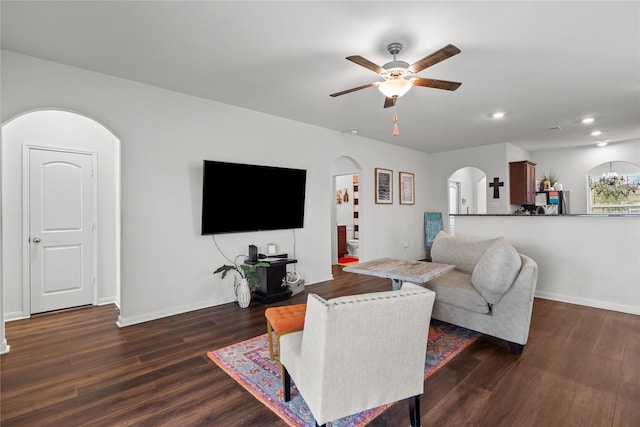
[(581, 367)]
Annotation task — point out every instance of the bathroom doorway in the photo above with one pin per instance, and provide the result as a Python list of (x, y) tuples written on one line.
[(346, 212), (347, 219)]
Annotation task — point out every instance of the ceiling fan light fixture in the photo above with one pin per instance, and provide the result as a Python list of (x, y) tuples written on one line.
[(395, 87)]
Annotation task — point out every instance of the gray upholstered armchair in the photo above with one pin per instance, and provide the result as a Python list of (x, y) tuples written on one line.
[(360, 352)]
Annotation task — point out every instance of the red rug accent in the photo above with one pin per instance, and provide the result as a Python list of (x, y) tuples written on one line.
[(347, 260), (248, 363)]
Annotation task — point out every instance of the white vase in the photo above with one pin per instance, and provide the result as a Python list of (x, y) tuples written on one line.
[(243, 292)]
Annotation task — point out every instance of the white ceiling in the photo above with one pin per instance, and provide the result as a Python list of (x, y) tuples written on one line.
[(546, 64)]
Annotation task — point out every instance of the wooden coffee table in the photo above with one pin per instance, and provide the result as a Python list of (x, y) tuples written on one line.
[(401, 270)]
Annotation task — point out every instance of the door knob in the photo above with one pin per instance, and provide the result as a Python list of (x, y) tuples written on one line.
[(36, 240)]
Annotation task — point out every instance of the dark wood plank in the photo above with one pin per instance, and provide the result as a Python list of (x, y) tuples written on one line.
[(76, 367)]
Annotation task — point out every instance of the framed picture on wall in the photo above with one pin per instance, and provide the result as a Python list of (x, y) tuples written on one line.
[(384, 189), (407, 189)]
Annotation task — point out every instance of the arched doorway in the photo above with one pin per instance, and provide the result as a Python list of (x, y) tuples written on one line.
[(59, 132), (467, 189), (346, 212)]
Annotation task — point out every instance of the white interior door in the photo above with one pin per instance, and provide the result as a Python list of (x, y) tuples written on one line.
[(61, 224)]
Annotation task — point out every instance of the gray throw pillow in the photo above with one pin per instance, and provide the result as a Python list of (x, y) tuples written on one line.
[(496, 270)]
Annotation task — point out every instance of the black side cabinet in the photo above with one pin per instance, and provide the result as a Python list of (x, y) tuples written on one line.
[(271, 284)]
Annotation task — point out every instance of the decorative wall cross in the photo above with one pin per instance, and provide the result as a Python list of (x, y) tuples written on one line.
[(496, 184)]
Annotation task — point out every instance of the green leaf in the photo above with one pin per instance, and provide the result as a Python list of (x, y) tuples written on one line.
[(248, 271), (225, 269)]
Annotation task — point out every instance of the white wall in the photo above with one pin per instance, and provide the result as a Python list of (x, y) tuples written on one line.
[(586, 260), (166, 264), (572, 165), (491, 159)]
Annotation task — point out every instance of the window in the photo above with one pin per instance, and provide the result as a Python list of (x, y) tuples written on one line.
[(614, 187)]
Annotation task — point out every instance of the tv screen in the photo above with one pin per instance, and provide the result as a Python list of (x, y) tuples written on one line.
[(239, 197)]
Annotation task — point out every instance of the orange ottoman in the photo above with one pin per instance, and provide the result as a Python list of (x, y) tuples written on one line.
[(283, 320)]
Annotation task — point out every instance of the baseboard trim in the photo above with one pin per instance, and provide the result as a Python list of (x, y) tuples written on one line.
[(124, 321), (325, 279), (106, 300), (4, 347), (605, 305), (15, 315)]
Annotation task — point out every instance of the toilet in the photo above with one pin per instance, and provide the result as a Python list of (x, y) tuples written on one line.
[(352, 244), (352, 247)]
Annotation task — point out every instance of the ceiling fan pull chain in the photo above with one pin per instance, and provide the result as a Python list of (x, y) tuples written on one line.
[(396, 132)]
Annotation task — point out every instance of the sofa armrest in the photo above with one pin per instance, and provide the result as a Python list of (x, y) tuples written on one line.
[(512, 315)]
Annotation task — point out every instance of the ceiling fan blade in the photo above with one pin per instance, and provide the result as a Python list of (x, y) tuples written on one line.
[(366, 63), (440, 55), (390, 101), (437, 84), (354, 89)]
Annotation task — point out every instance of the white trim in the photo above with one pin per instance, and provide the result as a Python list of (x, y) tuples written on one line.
[(94, 226), (623, 308), (154, 315), (26, 257), (118, 220), (15, 315), (106, 301), (124, 321)]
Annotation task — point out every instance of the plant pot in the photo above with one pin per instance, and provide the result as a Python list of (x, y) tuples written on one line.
[(243, 293)]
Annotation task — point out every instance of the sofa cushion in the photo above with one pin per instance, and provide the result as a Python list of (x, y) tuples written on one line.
[(455, 288), (496, 270), (462, 252)]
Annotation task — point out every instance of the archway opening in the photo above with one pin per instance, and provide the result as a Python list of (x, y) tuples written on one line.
[(346, 211), (614, 187), (467, 190), (63, 131)]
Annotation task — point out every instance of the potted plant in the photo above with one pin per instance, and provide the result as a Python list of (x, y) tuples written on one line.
[(249, 280), (548, 181)]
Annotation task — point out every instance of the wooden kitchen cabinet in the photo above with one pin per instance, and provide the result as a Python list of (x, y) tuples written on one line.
[(522, 183)]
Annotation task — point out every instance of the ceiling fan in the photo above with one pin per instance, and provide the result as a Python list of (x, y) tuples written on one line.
[(398, 75)]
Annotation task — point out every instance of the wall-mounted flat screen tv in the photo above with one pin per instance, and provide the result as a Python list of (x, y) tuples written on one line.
[(240, 197)]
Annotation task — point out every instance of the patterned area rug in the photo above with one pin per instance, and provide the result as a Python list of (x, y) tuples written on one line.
[(248, 363)]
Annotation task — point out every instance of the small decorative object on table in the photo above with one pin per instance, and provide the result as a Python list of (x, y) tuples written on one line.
[(548, 181), (249, 279)]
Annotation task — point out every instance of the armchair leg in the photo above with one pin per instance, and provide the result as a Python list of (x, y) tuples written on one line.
[(515, 348), (414, 411), (286, 384)]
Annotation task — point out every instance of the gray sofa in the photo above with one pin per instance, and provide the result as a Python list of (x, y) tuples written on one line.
[(491, 289)]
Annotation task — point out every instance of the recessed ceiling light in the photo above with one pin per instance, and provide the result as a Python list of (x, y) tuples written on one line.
[(498, 115), (596, 133), (601, 143), (587, 120)]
